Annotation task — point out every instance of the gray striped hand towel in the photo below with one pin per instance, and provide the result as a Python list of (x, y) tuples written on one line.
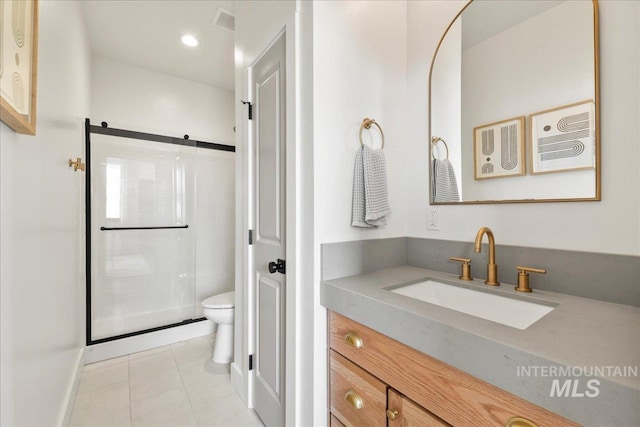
[(370, 204), (444, 184)]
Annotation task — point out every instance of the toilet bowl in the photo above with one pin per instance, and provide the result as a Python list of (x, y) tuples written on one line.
[(220, 310)]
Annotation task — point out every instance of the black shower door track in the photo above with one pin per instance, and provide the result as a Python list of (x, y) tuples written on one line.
[(103, 129)]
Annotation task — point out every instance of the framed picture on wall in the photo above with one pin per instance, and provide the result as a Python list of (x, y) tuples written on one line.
[(19, 64), (498, 149), (563, 138)]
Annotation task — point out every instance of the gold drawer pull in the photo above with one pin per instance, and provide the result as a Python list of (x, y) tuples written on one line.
[(352, 338), (520, 422), (392, 415), (353, 398)]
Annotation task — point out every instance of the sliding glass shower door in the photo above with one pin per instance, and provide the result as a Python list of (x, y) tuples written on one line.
[(142, 235)]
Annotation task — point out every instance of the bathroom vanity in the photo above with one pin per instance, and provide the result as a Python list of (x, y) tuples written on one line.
[(400, 360), (375, 378)]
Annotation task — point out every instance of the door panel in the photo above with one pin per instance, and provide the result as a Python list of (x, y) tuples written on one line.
[(268, 82), (268, 159), (267, 370)]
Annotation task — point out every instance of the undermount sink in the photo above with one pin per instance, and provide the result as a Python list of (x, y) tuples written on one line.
[(507, 311)]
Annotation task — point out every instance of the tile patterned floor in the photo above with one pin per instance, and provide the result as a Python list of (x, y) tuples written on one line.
[(174, 386)]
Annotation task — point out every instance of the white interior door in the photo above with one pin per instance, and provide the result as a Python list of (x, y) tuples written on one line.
[(268, 81)]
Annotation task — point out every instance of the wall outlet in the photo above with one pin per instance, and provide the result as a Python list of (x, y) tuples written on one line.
[(433, 218)]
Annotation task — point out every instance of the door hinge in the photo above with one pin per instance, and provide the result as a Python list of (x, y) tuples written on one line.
[(251, 362), (250, 105), (251, 237)]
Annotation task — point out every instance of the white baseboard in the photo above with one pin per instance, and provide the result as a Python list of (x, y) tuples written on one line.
[(72, 388), (124, 346)]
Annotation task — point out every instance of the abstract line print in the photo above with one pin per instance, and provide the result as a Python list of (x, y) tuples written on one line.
[(499, 149), (562, 138)]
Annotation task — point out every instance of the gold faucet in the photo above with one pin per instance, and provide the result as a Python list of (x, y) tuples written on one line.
[(492, 268)]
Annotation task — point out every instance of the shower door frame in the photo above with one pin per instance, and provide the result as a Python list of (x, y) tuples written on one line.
[(104, 129)]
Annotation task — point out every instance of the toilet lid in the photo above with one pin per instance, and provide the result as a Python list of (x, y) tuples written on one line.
[(225, 300)]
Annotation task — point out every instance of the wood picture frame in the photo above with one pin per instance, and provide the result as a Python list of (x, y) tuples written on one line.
[(498, 149), (563, 138), (19, 64)]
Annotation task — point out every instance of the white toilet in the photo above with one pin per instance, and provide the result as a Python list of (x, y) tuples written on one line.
[(219, 309)]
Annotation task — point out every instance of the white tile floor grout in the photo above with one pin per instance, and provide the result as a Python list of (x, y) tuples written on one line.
[(175, 386)]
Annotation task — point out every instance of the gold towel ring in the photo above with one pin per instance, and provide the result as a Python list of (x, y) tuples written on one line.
[(434, 141), (366, 124)]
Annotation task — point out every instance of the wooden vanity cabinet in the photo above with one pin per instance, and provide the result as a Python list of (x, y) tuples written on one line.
[(377, 381)]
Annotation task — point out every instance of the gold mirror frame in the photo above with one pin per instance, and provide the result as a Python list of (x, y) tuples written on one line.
[(598, 166)]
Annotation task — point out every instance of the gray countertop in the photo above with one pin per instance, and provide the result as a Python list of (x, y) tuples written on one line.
[(600, 341)]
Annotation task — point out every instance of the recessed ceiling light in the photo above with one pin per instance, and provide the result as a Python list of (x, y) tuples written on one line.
[(189, 40)]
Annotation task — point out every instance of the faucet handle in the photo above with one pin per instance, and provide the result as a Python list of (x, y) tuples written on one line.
[(523, 277), (466, 267)]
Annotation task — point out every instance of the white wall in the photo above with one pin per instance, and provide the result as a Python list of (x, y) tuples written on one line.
[(359, 70), (610, 226), (42, 231), (134, 98)]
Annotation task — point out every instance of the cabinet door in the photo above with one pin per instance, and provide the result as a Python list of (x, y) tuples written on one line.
[(403, 412), (357, 397)]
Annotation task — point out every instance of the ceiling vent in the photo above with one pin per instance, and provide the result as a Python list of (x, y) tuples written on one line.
[(224, 18)]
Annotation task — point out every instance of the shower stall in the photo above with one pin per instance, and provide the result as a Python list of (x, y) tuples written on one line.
[(160, 230)]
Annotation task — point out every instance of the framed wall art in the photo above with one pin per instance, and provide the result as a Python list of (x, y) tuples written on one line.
[(19, 64), (563, 138), (498, 149)]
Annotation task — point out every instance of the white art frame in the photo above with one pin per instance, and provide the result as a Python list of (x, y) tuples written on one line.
[(563, 139)]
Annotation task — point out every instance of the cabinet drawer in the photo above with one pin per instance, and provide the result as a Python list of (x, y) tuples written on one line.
[(356, 342), (405, 413), (357, 397), (336, 422), (454, 396)]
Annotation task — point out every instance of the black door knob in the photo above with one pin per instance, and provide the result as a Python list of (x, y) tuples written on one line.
[(277, 266), (273, 267)]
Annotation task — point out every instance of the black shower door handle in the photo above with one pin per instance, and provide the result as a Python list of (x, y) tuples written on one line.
[(142, 228)]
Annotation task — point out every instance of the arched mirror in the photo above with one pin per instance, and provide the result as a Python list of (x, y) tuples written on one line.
[(514, 104)]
